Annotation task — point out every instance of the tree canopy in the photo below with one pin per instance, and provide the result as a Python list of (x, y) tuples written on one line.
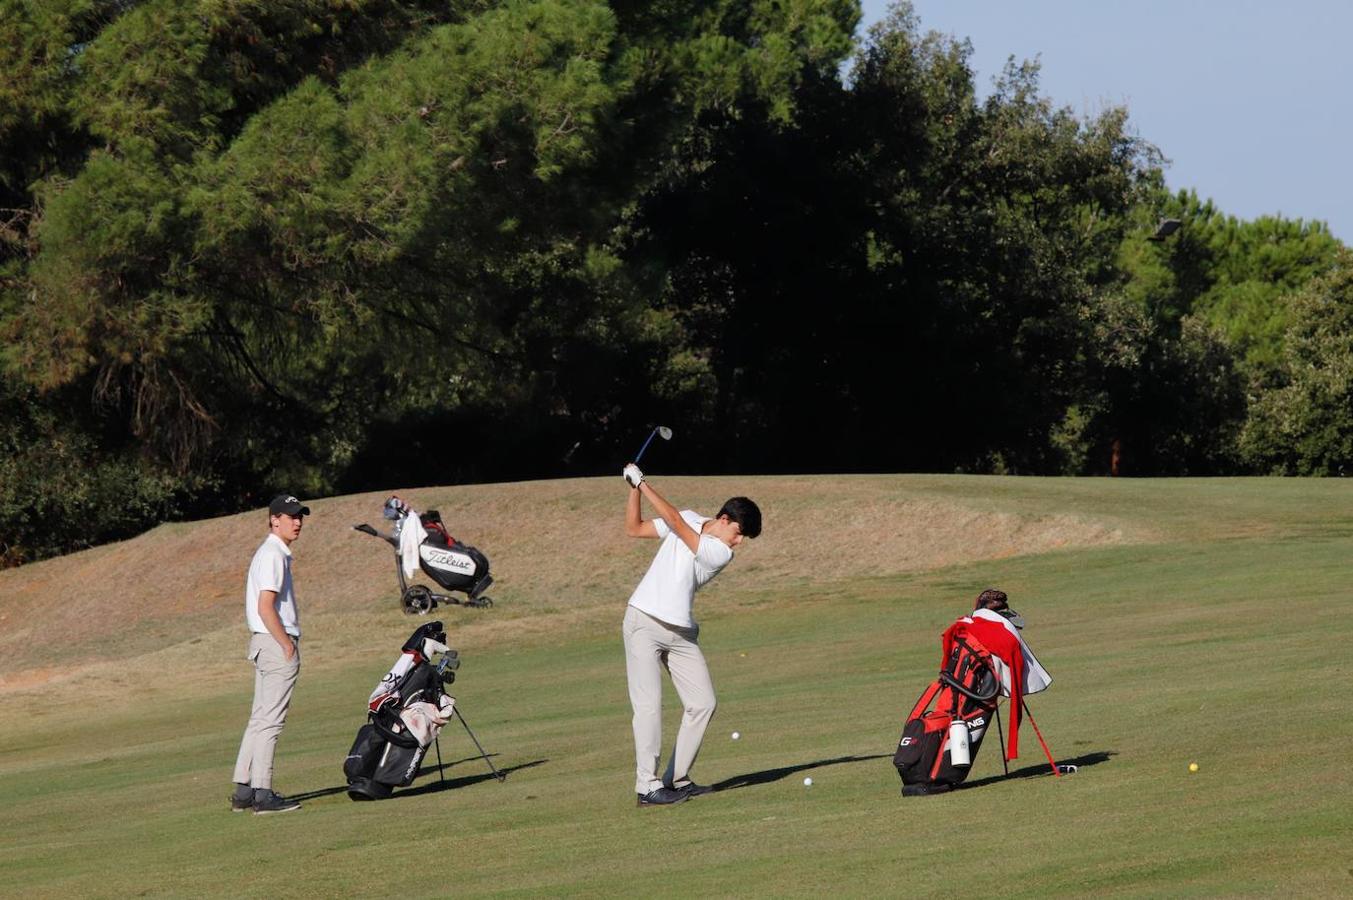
[(347, 244)]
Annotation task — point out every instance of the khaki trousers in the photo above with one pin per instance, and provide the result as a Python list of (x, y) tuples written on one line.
[(274, 680), (650, 647)]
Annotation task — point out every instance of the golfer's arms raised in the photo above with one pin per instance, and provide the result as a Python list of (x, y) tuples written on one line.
[(267, 611), (668, 513), (635, 526)]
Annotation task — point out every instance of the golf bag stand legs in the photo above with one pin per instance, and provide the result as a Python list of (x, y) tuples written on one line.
[(1046, 752), (496, 774), (1000, 733)]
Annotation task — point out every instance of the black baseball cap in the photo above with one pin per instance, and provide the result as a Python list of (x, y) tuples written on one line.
[(285, 503)]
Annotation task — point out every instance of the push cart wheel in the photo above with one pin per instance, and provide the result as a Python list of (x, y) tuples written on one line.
[(417, 600)]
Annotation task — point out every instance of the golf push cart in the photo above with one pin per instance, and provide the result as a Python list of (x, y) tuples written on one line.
[(422, 541)]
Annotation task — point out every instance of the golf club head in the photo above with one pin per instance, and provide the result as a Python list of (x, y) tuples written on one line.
[(663, 431)]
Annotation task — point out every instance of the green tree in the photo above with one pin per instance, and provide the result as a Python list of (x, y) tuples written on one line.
[(293, 229), (61, 489), (1233, 273), (1304, 424), (902, 268)]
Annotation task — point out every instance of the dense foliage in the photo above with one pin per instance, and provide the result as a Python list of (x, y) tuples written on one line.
[(350, 244)]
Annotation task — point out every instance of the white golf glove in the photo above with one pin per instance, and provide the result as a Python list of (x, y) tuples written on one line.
[(633, 475)]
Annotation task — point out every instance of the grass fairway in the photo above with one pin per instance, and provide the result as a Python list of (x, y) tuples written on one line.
[(1206, 620)]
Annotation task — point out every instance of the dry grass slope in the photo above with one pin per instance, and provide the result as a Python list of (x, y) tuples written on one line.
[(556, 548)]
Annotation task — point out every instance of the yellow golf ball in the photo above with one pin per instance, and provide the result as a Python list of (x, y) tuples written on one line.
[(1193, 767)]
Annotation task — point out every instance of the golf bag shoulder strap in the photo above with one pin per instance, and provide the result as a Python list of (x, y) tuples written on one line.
[(385, 720), (967, 671), (970, 671)]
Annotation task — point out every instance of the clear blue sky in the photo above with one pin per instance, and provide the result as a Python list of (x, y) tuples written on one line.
[(1252, 102)]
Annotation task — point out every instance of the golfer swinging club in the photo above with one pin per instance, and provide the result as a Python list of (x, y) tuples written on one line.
[(660, 633)]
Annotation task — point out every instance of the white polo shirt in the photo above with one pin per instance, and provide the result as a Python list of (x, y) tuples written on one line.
[(667, 591), (270, 570)]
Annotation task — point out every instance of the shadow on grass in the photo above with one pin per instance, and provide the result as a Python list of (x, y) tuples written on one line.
[(322, 792), (1080, 762), (450, 784), (431, 786), (766, 776)]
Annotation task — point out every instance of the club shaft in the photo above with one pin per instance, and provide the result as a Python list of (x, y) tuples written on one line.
[(640, 454)]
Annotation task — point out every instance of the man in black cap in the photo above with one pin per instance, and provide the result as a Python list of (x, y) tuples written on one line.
[(275, 651)]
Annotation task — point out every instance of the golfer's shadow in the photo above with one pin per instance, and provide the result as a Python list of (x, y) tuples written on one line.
[(766, 776), (1080, 762), (431, 786)]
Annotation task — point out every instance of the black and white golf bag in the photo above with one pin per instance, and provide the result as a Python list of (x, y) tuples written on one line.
[(421, 541), (405, 714)]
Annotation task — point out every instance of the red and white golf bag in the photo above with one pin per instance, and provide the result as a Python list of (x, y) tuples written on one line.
[(984, 658)]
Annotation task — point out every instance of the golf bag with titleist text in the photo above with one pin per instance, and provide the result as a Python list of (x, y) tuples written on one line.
[(405, 714), (422, 542)]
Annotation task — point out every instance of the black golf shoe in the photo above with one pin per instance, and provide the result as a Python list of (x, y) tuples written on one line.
[(241, 801), (691, 789), (663, 796), (266, 801)]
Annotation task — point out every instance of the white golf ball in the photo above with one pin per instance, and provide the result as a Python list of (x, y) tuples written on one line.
[(736, 735), (807, 782)]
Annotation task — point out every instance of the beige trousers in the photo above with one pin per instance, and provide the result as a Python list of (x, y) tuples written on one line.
[(274, 680), (650, 647)]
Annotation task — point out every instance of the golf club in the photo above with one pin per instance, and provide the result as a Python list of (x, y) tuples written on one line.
[(662, 430)]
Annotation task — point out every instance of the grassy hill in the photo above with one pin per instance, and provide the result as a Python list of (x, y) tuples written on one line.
[(1182, 620)]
